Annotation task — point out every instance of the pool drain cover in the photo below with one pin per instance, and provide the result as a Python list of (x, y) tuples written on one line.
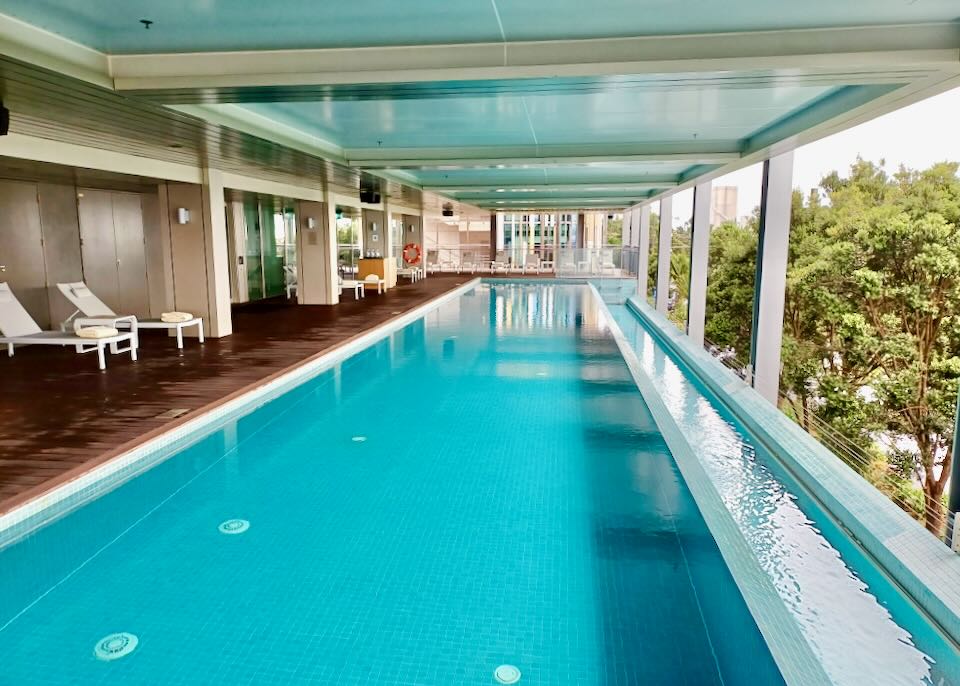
[(234, 526), (506, 674), (115, 646), (358, 439)]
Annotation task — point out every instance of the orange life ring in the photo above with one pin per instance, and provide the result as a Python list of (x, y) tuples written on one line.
[(411, 253)]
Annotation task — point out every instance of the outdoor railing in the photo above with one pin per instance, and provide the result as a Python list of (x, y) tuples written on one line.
[(842, 446), (603, 262)]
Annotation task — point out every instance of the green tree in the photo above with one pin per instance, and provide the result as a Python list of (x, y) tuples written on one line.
[(732, 260), (905, 276), (871, 321), (615, 231)]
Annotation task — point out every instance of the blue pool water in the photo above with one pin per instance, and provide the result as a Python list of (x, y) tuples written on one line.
[(861, 628), (510, 502)]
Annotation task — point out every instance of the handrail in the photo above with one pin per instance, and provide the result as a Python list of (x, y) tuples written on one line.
[(841, 445)]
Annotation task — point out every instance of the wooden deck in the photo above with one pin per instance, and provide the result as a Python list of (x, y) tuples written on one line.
[(59, 414)]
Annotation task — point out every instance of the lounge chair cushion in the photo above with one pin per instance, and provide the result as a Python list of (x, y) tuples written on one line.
[(97, 332), (175, 317)]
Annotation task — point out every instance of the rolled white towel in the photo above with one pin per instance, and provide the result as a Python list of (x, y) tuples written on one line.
[(96, 332), (175, 317)]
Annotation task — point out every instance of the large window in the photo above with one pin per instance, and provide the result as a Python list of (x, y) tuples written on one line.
[(349, 240), (269, 245), (525, 235)]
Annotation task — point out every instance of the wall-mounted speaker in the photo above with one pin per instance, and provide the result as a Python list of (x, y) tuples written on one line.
[(368, 195)]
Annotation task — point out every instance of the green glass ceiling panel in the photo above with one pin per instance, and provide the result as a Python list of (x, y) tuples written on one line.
[(203, 25), (579, 173), (615, 116)]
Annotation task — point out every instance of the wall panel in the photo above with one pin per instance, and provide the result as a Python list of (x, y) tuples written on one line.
[(21, 248), (61, 244), (134, 295), (98, 245)]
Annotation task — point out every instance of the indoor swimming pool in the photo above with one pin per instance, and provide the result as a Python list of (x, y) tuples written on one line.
[(480, 497)]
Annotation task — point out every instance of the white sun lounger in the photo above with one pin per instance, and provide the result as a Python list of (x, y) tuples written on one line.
[(94, 311), (18, 328)]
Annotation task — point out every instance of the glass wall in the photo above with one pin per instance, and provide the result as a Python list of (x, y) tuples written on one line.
[(349, 240), (533, 236), (251, 215), (269, 245), (654, 249)]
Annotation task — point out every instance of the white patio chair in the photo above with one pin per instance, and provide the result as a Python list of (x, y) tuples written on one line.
[(468, 264), (412, 273), (532, 264), (352, 284), (373, 279), (606, 262), (18, 328), (94, 311), (293, 282)]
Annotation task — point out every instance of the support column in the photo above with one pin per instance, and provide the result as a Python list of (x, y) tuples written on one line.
[(316, 262), (217, 254), (496, 238), (635, 228), (643, 254), (699, 254), (198, 251), (581, 230), (953, 502), (771, 279), (663, 254), (634, 225), (330, 228)]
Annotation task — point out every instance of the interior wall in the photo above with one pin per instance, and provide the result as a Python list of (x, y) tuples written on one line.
[(61, 245), (314, 277), (187, 249), (156, 244), (374, 232), (413, 233), (21, 248), (54, 232)]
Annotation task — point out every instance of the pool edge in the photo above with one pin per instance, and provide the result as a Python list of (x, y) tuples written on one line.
[(55, 492), (925, 569), (793, 655)]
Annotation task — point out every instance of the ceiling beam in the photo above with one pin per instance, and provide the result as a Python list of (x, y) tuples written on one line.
[(765, 144), (850, 50), (523, 187), (500, 157), (557, 202)]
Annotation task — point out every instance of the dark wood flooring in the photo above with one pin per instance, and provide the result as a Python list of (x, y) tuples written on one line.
[(59, 414)]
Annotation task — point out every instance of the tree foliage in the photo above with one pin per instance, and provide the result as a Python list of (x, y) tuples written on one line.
[(871, 321)]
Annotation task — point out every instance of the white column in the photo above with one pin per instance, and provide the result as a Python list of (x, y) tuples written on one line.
[(330, 227), (217, 254), (663, 253), (643, 255), (699, 252), (316, 263), (627, 233), (771, 280)]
